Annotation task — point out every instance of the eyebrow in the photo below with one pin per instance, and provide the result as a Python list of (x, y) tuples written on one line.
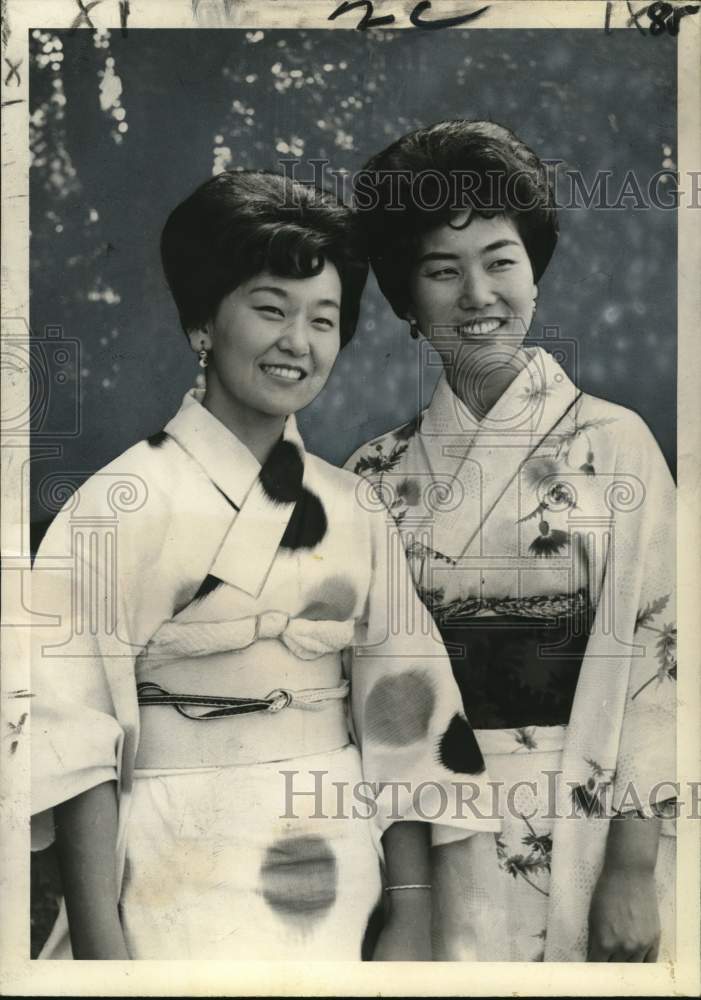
[(446, 255), (282, 294)]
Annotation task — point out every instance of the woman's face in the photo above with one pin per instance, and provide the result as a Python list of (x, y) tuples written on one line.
[(274, 342), (472, 288)]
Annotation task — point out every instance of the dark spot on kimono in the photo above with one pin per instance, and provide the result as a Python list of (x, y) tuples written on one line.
[(157, 439), (208, 585), (333, 600), (307, 525), (398, 709), (298, 878), (281, 474), (458, 750)]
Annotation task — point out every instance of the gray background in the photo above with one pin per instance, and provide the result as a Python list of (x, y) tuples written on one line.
[(99, 198)]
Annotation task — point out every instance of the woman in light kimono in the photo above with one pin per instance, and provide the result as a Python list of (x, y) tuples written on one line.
[(189, 730), (539, 522)]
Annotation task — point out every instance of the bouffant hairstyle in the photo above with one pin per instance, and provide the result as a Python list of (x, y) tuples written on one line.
[(240, 223), (420, 181)]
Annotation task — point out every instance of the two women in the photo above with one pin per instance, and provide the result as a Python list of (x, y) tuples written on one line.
[(539, 527), (190, 736), (539, 522)]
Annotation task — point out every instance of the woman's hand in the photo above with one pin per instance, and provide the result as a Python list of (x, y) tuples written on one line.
[(624, 922), (406, 936)]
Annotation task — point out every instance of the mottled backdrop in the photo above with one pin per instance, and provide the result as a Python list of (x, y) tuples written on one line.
[(122, 128)]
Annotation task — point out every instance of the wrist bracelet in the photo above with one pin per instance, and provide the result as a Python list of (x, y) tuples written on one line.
[(396, 888)]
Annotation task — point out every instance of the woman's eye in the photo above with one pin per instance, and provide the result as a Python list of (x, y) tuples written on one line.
[(270, 310), (324, 322), (443, 272), (503, 262)]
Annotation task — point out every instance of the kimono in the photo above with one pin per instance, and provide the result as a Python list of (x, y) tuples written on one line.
[(542, 540), (199, 611)]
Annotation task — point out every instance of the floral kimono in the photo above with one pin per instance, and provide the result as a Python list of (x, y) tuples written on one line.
[(196, 609), (541, 538)]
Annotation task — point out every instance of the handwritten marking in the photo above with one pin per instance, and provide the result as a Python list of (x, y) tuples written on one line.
[(14, 71), (445, 22), (663, 17), (84, 15), (367, 20), (124, 11)]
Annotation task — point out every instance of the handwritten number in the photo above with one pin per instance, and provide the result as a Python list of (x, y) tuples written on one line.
[(658, 14), (445, 22), (367, 20)]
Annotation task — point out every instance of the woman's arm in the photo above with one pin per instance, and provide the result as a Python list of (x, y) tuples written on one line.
[(406, 936), (86, 840), (624, 923)]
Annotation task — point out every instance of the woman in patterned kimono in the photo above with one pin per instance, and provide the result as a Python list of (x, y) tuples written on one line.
[(539, 522), (189, 696)]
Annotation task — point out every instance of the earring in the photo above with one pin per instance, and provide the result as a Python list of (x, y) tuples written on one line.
[(203, 361), (413, 330)]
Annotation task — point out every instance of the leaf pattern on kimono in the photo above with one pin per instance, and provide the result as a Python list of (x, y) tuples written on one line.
[(532, 394), (408, 430), (380, 462), (589, 798), (418, 549), (580, 431), (666, 653), (549, 542), (16, 730), (650, 610), (525, 866), (524, 738), (538, 843)]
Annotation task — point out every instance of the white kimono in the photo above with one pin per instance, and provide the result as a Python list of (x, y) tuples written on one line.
[(188, 569), (542, 539)]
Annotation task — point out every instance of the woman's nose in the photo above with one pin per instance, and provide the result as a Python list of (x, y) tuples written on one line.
[(476, 292), (295, 338)]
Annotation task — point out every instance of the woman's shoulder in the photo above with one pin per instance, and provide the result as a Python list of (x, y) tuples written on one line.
[(384, 451), (614, 420), (152, 473)]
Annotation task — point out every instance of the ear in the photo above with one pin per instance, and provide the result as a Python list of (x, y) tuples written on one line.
[(199, 340)]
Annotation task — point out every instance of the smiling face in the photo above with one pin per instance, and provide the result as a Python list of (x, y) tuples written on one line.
[(472, 290), (273, 344)]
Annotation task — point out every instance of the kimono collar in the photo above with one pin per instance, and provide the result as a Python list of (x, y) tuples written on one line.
[(264, 496), (485, 455)]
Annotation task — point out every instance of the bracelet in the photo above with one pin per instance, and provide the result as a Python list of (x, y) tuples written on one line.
[(396, 888)]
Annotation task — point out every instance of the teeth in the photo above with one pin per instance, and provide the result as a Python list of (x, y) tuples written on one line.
[(482, 326), (293, 374)]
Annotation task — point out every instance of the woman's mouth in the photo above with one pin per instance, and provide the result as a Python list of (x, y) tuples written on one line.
[(288, 373), (481, 327)]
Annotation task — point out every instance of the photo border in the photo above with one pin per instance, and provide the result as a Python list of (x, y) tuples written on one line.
[(22, 976)]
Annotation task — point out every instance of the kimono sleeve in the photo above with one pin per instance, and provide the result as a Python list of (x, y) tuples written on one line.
[(92, 586), (646, 764), (419, 752)]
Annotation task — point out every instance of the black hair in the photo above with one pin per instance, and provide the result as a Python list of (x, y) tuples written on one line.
[(419, 182), (240, 223)]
